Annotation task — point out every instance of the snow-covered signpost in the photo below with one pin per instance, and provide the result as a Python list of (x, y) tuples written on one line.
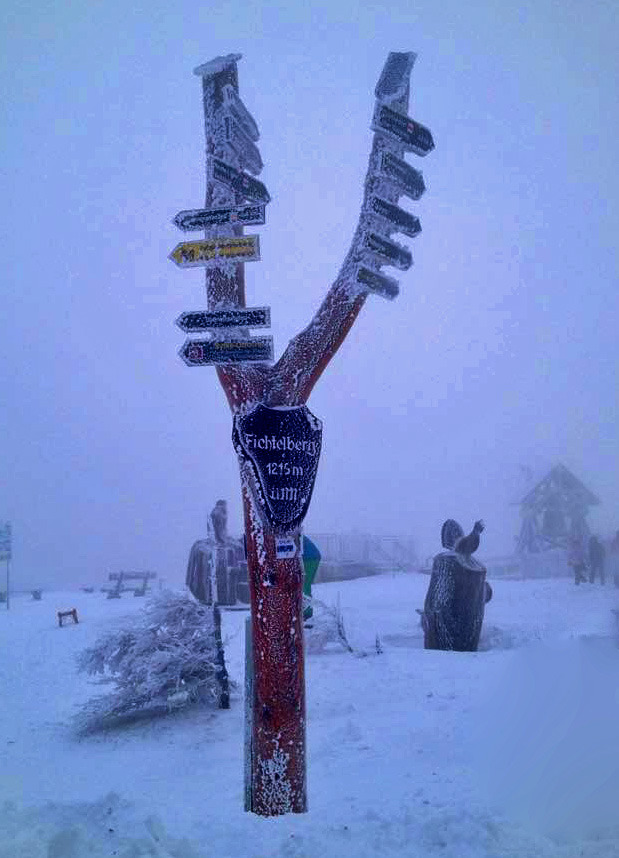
[(276, 437), (6, 549)]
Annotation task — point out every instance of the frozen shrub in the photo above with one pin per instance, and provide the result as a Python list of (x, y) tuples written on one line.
[(169, 656)]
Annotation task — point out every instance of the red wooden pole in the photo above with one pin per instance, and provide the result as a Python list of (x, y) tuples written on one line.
[(277, 765)]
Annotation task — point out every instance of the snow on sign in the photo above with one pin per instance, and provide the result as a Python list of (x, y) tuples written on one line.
[(246, 150), (387, 287), (282, 446), (243, 248), (5, 541), (415, 137), (212, 352), (240, 182), (402, 220), (194, 219), (395, 75), (408, 180), (242, 115), (389, 252), (241, 317)]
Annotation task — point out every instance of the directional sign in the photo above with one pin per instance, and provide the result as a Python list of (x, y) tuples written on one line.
[(402, 220), (242, 248), (415, 137), (194, 219), (240, 182), (5, 541), (408, 180), (239, 141), (242, 115), (395, 75), (387, 287), (211, 352), (391, 252), (283, 447), (242, 317)]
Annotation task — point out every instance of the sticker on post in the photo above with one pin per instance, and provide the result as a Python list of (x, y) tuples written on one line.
[(285, 548)]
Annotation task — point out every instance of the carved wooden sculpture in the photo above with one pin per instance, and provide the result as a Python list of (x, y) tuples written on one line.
[(457, 594)]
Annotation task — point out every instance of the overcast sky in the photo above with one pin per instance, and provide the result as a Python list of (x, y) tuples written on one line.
[(500, 352)]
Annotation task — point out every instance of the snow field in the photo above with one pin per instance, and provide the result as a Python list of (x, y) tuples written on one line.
[(511, 752)]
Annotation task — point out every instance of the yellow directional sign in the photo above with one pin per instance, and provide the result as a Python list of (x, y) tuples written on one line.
[(243, 248)]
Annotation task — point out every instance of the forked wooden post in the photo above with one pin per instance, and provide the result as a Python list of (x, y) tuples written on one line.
[(278, 466)]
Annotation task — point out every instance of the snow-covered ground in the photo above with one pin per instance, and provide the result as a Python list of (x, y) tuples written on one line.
[(511, 752)]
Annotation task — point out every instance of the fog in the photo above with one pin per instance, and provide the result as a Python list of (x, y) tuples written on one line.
[(499, 353)]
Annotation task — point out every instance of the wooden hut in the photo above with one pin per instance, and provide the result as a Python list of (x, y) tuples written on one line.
[(554, 510)]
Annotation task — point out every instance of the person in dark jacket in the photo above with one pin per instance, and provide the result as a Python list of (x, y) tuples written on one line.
[(597, 556), (577, 559)]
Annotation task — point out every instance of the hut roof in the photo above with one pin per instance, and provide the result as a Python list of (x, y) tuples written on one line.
[(561, 483)]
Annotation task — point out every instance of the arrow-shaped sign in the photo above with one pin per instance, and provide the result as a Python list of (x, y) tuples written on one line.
[(239, 141), (210, 352), (408, 180), (243, 248), (239, 317), (387, 287), (240, 182), (240, 112), (415, 137), (194, 219), (395, 75), (402, 220), (390, 252)]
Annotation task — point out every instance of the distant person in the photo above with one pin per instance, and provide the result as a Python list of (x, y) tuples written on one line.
[(577, 559), (311, 561), (613, 551), (597, 557)]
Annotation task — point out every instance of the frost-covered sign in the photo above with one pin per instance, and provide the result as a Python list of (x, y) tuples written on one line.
[(5, 541), (415, 136), (244, 248), (389, 251), (240, 182), (382, 285), (233, 317), (193, 219), (213, 352), (402, 221), (283, 447), (409, 181), (241, 144)]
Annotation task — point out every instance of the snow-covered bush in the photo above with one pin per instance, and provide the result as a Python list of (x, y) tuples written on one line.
[(168, 656), (325, 627)]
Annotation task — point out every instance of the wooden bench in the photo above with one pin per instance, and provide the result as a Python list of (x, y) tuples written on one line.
[(72, 613)]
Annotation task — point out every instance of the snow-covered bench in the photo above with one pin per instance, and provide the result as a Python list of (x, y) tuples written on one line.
[(71, 613)]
